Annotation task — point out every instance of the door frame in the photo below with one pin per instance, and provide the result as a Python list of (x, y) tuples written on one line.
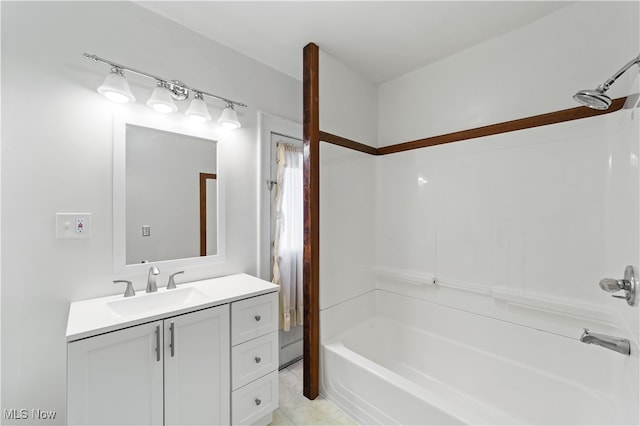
[(267, 126)]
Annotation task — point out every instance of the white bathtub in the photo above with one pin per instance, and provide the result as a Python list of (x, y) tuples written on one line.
[(455, 367)]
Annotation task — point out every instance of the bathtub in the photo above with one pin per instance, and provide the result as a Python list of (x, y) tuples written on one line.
[(456, 367)]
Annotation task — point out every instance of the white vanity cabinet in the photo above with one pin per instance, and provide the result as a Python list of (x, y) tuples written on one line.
[(203, 354), (174, 371), (254, 359)]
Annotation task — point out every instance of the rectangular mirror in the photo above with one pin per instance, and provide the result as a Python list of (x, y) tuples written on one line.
[(168, 199)]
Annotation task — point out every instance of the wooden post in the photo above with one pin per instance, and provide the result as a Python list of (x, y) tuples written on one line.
[(311, 262)]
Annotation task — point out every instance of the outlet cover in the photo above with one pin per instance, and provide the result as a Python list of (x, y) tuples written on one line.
[(73, 225)]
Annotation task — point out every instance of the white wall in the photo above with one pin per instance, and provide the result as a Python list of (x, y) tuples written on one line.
[(532, 70), (348, 103), (57, 151), (348, 108)]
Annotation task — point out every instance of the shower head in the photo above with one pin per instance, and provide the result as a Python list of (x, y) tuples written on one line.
[(597, 99)]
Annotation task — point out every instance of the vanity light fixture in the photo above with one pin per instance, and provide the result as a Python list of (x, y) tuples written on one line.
[(116, 88)]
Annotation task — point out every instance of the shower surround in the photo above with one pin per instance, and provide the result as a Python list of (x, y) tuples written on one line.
[(463, 275)]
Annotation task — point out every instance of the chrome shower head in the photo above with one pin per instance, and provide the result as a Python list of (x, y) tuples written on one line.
[(595, 99)]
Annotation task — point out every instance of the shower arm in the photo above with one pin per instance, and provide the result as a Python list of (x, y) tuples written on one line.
[(605, 86)]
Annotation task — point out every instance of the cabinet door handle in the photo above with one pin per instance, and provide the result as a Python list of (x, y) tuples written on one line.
[(172, 344), (258, 359), (157, 343), (258, 317), (258, 402)]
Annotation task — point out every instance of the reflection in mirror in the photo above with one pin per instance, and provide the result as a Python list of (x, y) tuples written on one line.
[(208, 213), (163, 202), (157, 162)]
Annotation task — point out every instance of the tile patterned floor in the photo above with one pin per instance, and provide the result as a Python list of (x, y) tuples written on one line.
[(297, 410)]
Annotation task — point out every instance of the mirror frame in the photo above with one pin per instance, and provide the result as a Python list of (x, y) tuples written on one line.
[(170, 124)]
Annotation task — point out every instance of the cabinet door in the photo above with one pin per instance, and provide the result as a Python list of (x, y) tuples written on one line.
[(116, 378), (197, 382)]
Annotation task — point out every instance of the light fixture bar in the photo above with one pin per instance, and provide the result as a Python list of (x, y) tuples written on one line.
[(155, 77)]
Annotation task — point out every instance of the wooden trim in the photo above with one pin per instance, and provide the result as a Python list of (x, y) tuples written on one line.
[(348, 143), (508, 126), (311, 191), (493, 129), (203, 210)]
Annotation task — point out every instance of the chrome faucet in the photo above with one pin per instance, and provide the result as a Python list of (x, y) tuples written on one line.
[(151, 281), (613, 343)]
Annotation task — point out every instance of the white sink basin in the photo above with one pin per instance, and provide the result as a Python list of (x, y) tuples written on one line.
[(161, 300)]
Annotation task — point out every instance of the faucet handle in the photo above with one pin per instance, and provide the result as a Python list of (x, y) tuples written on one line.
[(172, 282), (129, 291)]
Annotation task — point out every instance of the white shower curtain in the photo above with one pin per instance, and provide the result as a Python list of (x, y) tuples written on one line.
[(288, 243)]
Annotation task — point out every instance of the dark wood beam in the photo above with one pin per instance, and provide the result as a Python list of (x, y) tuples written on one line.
[(508, 126), (347, 143), (311, 251)]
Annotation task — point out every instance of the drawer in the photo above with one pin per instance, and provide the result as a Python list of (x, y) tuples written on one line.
[(255, 400), (254, 359), (254, 317)]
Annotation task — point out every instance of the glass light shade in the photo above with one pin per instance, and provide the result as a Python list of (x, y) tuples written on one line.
[(115, 88), (229, 119), (161, 100), (198, 111)]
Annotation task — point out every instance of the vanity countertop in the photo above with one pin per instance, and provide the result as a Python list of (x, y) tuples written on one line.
[(101, 315)]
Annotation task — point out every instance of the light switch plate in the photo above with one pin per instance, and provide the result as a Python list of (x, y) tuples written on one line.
[(73, 225)]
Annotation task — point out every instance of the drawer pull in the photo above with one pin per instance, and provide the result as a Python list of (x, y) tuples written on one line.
[(258, 359), (258, 402), (258, 317)]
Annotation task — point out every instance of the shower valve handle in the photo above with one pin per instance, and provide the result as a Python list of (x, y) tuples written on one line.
[(629, 284), (611, 285)]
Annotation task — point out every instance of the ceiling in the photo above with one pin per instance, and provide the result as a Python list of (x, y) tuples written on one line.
[(380, 40)]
